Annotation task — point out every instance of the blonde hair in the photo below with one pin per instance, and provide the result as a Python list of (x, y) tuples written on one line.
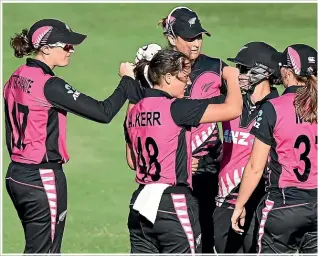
[(163, 23), (306, 99)]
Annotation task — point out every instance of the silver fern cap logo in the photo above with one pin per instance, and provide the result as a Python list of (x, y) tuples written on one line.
[(192, 21)]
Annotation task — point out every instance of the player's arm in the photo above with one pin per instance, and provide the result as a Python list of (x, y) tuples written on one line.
[(188, 112), (62, 95), (130, 156), (232, 107), (264, 139)]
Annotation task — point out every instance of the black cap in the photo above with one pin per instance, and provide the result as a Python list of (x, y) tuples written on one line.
[(301, 58), (256, 52), (50, 31), (185, 23)]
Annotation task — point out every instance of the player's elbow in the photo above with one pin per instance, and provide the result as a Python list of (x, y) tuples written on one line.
[(234, 110), (105, 119), (255, 168), (237, 110)]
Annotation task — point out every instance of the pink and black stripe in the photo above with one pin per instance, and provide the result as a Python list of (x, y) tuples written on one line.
[(180, 206), (268, 207), (48, 180)]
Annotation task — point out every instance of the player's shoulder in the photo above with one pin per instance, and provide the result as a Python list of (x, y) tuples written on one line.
[(208, 63), (209, 59), (281, 100), (268, 107), (55, 81)]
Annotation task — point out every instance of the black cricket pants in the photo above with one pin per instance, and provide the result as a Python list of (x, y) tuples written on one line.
[(176, 229), (228, 241), (288, 222), (39, 196), (205, 189), (225, 238)]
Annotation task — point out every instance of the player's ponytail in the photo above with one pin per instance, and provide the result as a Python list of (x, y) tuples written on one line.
[(141, 73), (163, 22), (21, 45), (163, 62), (306, 98), (167, 32)]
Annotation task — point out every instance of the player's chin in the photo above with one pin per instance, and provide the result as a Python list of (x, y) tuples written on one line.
[(180, 95), (194, 55), (65, 62)]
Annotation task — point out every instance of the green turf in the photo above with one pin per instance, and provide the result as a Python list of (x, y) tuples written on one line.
[(99, 182)]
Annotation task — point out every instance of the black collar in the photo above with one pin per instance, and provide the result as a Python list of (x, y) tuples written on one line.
[(157, 93), (39, 64), (291, 89)]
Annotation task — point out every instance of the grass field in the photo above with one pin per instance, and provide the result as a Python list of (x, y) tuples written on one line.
[(99, 182)]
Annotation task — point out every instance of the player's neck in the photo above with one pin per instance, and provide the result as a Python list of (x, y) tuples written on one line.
[(260, 91), (45, 60)]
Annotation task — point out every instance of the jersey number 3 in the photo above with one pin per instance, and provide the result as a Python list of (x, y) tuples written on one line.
[(303, 157), (144, 168)]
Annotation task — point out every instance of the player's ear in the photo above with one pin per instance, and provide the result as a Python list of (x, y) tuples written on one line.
[(172, 40), (45, 50), (168, 78)]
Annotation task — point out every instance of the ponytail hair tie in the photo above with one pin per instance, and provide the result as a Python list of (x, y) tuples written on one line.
[(146, 69)]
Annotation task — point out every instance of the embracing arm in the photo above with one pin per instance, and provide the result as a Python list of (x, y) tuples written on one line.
[(232, 107), (188, 112), (62, 95)]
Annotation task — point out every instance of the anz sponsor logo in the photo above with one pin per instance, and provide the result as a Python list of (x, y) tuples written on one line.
[(235, 137), (258, 119), (72, 91)]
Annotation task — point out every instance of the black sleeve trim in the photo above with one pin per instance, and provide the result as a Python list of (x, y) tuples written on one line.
[(187, 112), (265, 123), (261, 137)]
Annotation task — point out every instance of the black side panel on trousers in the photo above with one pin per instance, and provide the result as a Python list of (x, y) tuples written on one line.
[(226, 240), (167, 235), (205, 189), (41, 209), (287, 227)]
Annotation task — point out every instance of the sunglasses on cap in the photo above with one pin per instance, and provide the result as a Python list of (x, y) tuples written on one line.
[(66, 47)]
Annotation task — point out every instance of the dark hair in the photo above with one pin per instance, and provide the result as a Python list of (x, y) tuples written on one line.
[(306, 98), (162, 63), (21, 45), (139, 73)]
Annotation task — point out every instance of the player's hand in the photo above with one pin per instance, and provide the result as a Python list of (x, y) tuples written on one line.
[(147, 52), (195, 164), (230, 72), (238, 220), (126, 69)]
